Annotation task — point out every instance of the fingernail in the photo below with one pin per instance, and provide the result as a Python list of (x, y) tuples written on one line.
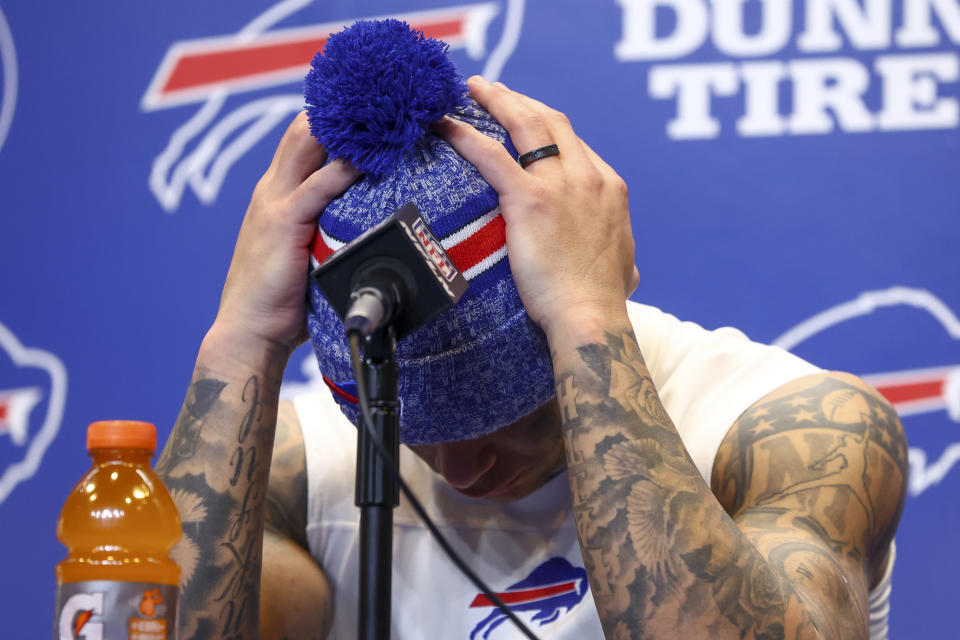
[(444, 123), (478, 80)]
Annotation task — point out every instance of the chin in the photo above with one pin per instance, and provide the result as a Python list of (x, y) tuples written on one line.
[(522, 487)]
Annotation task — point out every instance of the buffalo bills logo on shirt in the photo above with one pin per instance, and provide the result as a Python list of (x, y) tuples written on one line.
[(246, 84), (552, 589), (33, 389)]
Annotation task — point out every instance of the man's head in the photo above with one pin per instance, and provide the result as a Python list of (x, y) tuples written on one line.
[(505, 465), (483, 364)]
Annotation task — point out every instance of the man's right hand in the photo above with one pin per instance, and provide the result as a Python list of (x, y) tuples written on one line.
[(262, 308), (217, 459)]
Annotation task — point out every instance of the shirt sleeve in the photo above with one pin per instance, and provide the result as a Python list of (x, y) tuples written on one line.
[(707, 379)]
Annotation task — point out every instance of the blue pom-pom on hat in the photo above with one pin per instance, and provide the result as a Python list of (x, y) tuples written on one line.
[(372, 94), (375, 88)]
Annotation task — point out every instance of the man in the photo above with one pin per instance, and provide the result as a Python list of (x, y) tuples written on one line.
[(807, 484)]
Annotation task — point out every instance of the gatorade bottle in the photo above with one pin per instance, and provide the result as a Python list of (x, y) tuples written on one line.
[(118, 524)]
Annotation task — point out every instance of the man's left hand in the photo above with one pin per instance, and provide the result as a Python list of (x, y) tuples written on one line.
[(569, 240)]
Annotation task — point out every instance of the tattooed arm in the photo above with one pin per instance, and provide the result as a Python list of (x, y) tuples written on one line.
[(814, 476), (822, 459), (217, 460), (216, 465), (813, 508)]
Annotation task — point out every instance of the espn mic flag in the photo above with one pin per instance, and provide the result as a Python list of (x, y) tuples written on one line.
[(399, 253)]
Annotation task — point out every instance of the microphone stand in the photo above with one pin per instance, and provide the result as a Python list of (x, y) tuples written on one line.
[(396, 261), (377, 492)]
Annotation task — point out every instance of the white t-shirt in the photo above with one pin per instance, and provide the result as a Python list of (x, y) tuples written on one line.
[(528, 548)]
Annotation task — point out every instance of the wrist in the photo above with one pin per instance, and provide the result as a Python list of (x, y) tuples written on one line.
[(230, 350), (586, 324)]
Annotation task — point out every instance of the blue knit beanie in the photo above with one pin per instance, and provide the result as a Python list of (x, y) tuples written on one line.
[(371, 96)]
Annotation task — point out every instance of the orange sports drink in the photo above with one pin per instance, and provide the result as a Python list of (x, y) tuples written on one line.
[(118, 524)]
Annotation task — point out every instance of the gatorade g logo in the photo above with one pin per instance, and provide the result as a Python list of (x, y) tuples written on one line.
[(33, 390), (75, 617), (248, 83)]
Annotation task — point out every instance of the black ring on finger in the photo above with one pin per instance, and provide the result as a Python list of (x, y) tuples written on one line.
[(537, 154)]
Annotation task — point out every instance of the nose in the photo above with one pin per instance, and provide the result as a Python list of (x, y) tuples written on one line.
[(462, 464)]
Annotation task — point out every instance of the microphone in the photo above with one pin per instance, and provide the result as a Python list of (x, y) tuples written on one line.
[(395, 273)]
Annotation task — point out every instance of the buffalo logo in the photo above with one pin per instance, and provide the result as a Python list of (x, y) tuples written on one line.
[(8, 78), (912, 324), (552, 589), (15, 408), (263, 61), (33, 389)]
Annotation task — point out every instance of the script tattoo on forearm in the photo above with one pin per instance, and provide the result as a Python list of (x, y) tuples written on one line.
[(662, 554), (216, 464)]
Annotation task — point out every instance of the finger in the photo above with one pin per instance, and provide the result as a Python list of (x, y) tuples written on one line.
[(323, 185), (298, 155), (558, 128), (489, 156), (595, 158), (527, 128), (600, 165)]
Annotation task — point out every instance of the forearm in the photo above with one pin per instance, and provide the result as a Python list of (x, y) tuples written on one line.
[(216, 463), (663, 558)]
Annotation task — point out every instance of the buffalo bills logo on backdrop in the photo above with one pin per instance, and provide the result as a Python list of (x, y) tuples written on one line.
[(33, 389), (551, 590), (8, 78), (906, 343), (248, 83)]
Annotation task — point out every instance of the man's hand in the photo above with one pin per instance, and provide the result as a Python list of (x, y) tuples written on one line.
[(217, 459), (663, 557), (262, 306), (568, 223)]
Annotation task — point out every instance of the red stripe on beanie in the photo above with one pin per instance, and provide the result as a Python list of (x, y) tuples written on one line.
[(340, 392), (467, 253), (320, 249), (485, 241)]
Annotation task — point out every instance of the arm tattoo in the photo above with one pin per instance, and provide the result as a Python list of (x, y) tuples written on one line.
[(204, 393), (662, 555), (831, 456), (216, 464)]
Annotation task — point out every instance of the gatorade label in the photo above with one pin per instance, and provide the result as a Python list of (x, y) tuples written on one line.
[(106, 610)]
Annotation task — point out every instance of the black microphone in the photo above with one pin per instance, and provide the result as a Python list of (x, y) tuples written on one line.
[(395, 273)]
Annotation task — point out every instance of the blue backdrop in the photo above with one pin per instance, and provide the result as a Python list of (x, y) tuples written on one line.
[(792, 167)]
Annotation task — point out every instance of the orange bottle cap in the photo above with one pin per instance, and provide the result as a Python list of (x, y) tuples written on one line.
[(127, 434)]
